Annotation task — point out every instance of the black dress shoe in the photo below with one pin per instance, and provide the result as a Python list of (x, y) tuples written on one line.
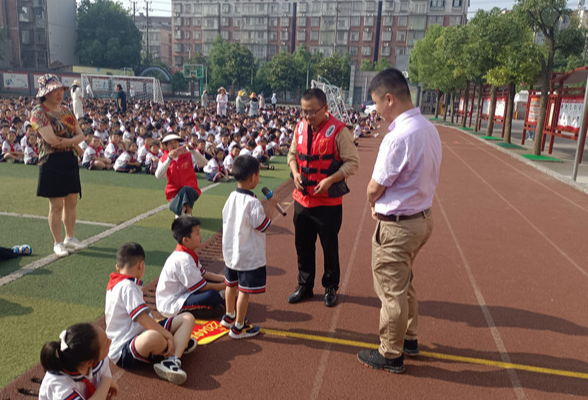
[(301, 293), (330, 297)]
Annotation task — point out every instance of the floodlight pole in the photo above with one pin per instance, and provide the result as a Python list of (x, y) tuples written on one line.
[(582, 133)]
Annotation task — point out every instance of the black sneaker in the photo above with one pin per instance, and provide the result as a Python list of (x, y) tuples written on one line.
[(411, 347), (373, 359), (192, 344), (228, 321)]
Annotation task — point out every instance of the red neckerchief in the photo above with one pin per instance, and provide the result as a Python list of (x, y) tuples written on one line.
[(90, 388), (132, 157), (12, 146), (179, 247), (116, 278), (35, 149)]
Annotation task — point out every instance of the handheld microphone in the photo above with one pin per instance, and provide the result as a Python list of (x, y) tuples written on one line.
[(268, 194)]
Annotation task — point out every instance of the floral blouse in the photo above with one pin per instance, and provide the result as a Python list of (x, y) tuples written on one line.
[(63, 123)]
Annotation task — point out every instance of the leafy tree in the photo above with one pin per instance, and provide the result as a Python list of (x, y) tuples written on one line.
[(545, 17), (282, 72), (179, 83), (218, 58), (366, 65), (240, 64), (382, 64), (305, 66), (335, 69), (107, 36)]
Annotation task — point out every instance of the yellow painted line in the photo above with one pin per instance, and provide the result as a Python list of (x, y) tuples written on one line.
[(468, 360)]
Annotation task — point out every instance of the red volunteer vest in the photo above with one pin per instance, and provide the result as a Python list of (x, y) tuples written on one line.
[(179, 174), (314, 166)]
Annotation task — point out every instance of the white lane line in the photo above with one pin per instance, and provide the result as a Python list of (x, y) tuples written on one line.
[(44, 217), (514, 378), (27, 269), (322, 369), (527, 220)]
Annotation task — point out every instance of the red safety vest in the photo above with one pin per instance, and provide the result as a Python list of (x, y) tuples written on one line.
[(180, 173), (322, 161)]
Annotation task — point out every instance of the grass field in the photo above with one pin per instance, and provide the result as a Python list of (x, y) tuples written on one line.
[(36, 307)]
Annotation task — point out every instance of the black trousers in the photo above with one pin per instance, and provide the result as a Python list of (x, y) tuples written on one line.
[(324, 221)]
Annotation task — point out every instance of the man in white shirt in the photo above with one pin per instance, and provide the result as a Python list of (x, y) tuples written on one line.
[(400, 193)]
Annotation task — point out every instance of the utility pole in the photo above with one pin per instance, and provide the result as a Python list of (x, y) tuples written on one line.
[(134, 11), (336, 22), (147, 5)]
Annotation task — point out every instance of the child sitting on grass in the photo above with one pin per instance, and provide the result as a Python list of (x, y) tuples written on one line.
[(184, 285), (127, 162), (11, 150), (245, 220), (214, 169), (31, 153), (94, 155), (77, 366), (136, 337), (152, 158)]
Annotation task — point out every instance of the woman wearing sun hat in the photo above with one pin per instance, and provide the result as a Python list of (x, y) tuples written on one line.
[(239, 103), (59, 176), (221, 101), (76, 99), (176, 164)]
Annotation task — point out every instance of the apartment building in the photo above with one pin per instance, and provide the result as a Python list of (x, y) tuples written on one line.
[(156, 36), (365, 29), (38, 37)]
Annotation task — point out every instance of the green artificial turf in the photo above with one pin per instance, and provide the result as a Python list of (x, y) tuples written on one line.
[(465, 128), (541, 158), (491, 138), (510, 146), (36, 307)]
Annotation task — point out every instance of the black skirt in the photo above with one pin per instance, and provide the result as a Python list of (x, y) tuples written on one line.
[(59, 176)]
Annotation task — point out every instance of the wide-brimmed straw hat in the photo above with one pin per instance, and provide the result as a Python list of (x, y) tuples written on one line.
[(222, 88), (76, 82), (171, 136), (48, 83)]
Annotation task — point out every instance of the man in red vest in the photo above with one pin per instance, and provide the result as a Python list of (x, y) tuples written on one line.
[(182, 189), (322, 156)]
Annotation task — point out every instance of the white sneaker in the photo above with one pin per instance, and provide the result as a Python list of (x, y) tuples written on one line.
[(60, 250), (73, 244), (169, 370)]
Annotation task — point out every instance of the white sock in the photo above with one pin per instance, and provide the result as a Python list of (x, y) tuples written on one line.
[(239, 325), (232, 314)]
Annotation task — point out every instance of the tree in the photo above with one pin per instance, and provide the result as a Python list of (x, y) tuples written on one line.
[(179, 83), (546, 17), (366, 65), (382, 64), (240, 65), (107, 36), (335, 69), (282, 72)]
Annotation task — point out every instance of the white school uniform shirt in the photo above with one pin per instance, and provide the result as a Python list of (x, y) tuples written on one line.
[(153, 159), (123, 160), (212, 166), (245, 152), (244, 224), (112, 150), (258, 152), (7, 147), (63, 386), (30, 153), (83, 145), (142, 153), (124, 304), (89, 154), (182, 275), (228, 162), (128, 136), (140, 142), (23, 141)]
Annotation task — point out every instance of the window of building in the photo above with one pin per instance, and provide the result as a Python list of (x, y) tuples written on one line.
[(366, 36), (389, 5), (197, 35), (272, 49), (329, 7), (457, 3), (355, 21), (386, 36), (414, 36), (301, 21), (273, 22), (343, 23), (273, 36), (187, 8), (236, 35), (197, 9), (437, 4), (418, 8), (26, 36), (197, 21), (327, 38), (178, 48), (301, 36), (225, 35), (455, 20), (403, 6), (401, 36), (353, 50), (286, 7), (178, 34), (178, 60), (400, 51), (354, 36), (315, 21), (402, 21), (368, 21), (197, 47), (315, 7), (237, 22), (237, 8), (177, 7), (186, 35), (178, 21), (436, 20), (40, 37), (357, 6), (302, 7), (366, 51), (284, 35), (186, 21), (210, 9), (225, 21), (342, 37), (385, 51), (209, 36), (370, 6), (314, 36), (328, 23), (417, 22), (284, 21), (225, 8), (261, 8)]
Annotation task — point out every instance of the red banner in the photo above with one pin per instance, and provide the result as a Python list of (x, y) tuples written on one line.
[(208, 332)]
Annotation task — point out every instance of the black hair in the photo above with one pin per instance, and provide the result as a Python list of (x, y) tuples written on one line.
[(82, 345), (244, 167), (129, 254), (315, 93), (390, 81), (182, 227), (251, 143)]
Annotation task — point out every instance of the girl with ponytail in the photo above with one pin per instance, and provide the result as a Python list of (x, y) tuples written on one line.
[(77, 367)]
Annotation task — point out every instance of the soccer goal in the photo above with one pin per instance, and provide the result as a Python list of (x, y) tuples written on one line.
[(334, 99), (137, 88)]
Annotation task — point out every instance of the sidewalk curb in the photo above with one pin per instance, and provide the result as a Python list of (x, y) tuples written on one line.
[(547, 171)]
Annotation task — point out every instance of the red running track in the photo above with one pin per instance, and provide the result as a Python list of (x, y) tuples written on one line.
[(502, 293)]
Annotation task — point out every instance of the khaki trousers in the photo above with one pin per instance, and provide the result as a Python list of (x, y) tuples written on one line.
[(395, 246)]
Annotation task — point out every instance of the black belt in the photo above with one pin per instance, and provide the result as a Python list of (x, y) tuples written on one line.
[(396, 218)]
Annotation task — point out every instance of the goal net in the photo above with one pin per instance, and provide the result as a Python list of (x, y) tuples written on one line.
[(137, 88), (335, 100)]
